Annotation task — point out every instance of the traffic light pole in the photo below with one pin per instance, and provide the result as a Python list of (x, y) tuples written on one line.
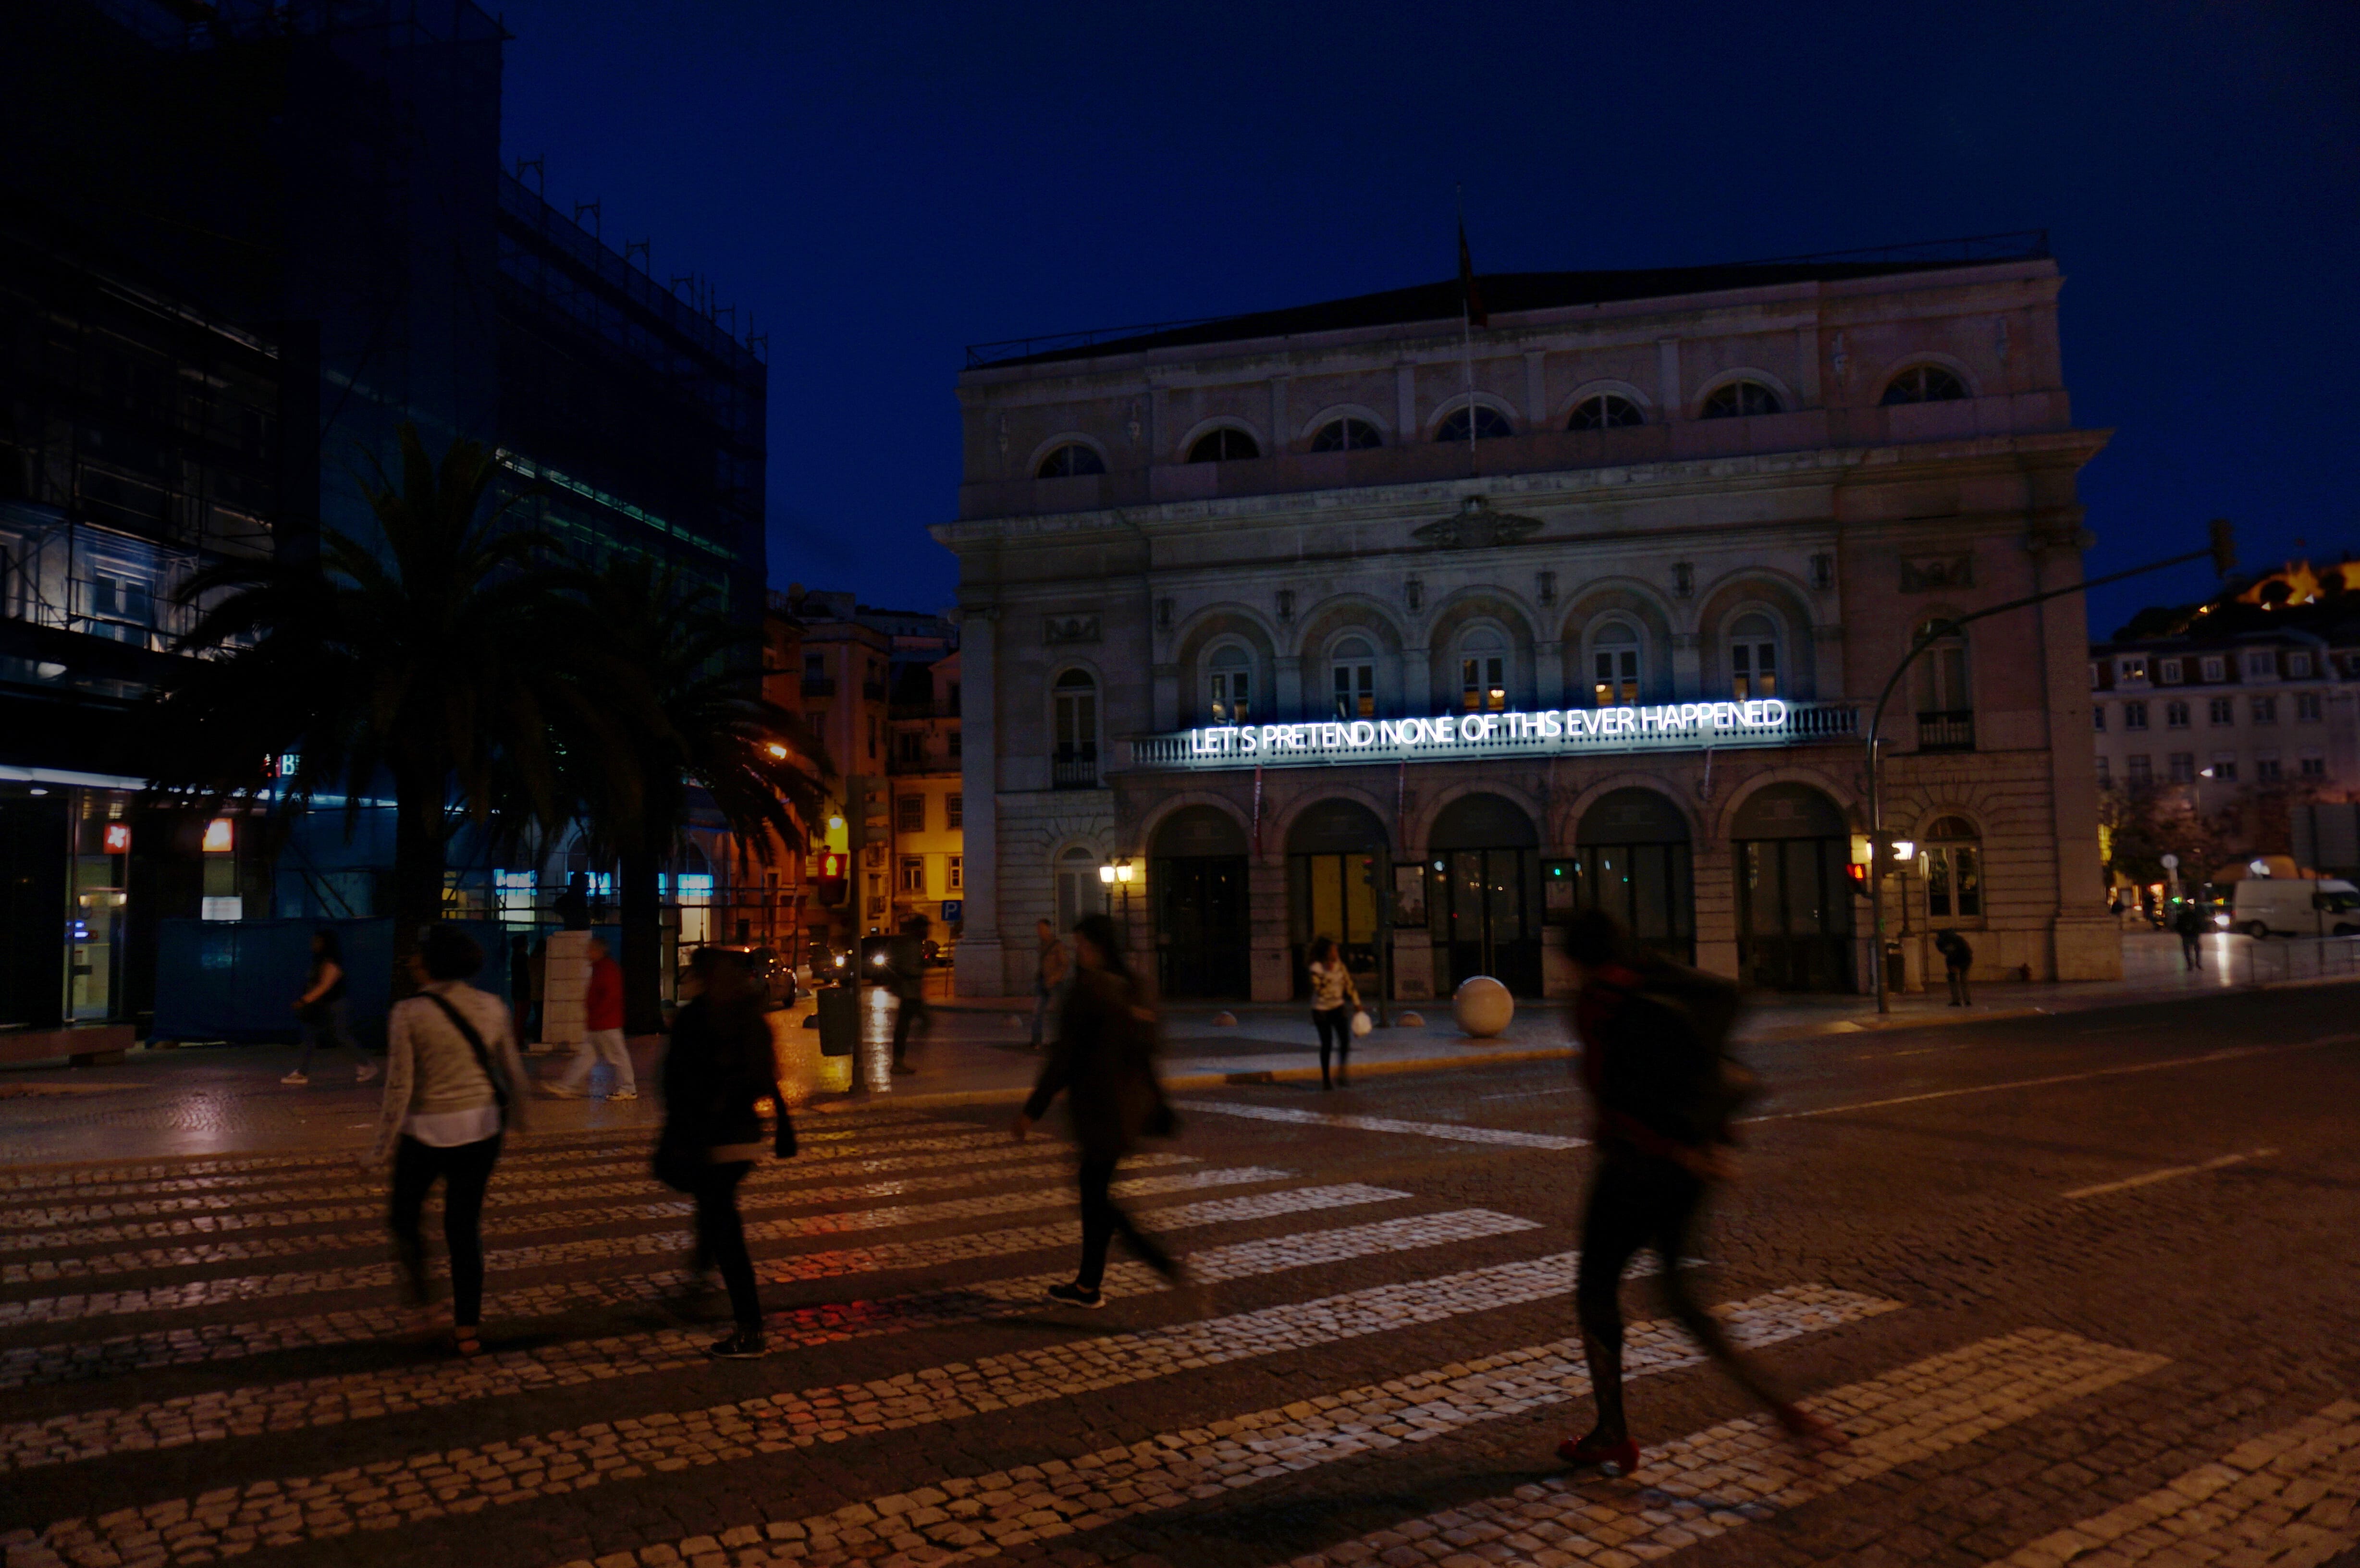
[(2223, 551)]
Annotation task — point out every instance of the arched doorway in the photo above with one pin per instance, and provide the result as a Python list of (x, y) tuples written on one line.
[(1339, 867), (1631, 858), (1794, 896), (1197, 874), (1482, 894)]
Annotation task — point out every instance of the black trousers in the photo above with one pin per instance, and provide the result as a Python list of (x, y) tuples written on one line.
[(911, 1012), (466, 1171), (1638, 1202), (1102, 1218), (1336, 1023), (2189, 952), (721, 1239)]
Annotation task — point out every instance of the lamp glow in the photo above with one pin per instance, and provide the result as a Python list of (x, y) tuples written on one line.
[(1904, 848), (1106, 875)]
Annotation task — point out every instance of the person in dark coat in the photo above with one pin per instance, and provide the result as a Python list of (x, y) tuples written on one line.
[(1104, 1062), (719, 1065), (1957, 959), (1652, 1036), (2189, 924)]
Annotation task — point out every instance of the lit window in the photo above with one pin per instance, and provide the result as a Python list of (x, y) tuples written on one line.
[(221, 836), (2132, 668), (1355, 678), (1484, 672), (1753, 657), (1347, 435), (1739, 399), (1071, 462), (1614, 663), (1954, 879), (1224, 445), (1228, 686), (1489, 424), (1605, 412), (1924, 383)]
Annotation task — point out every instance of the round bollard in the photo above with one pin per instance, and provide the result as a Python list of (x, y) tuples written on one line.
[(1483, 1006)]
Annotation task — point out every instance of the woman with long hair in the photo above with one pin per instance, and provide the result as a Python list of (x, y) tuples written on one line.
[(1334, 998), (1104, 1062)]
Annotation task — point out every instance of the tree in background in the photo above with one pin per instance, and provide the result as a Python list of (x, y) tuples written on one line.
[(2145, 822)]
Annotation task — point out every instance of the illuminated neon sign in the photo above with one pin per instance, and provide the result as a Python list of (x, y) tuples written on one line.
[(1549, 731)]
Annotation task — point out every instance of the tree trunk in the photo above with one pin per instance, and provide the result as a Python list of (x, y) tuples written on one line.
[(642, 954), (418, 853)]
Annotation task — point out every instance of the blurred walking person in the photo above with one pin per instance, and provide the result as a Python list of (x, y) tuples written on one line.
[(1103, 1061), (453, 1089), (324, 1014), (905, 970), (1653, 1034), (1050, 971), (1334, 1000), (1957, 959), (602, 1037), (2189, 924), (719, 1065)]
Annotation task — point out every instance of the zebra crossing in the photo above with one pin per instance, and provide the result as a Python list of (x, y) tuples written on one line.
[(235, 1316)]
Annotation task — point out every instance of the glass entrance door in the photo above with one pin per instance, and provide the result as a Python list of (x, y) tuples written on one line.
[(1647, 887), (1336, 895), (1484, 909), (1794, 914), (1200, 925)]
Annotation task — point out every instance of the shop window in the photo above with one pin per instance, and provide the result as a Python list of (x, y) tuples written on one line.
[(1753, 657), (1615, 665), (1924, 383), (1483, 671), (1224, 445), (1954, 869), (1347, 435), (1071, 460), (1605, 411), (1740, 399), (1355, 680), (1229, 685), (1489, 424)]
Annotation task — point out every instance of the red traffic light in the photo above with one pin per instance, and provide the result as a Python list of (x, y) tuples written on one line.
[(1857, 872)]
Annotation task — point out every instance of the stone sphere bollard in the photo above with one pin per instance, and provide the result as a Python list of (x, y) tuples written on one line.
[(1483, 1006)]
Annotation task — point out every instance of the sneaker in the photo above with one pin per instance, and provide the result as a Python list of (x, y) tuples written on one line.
[(1075, 1296), (741, 1346), (297, 1079), (624, 1094), (366, 1070)]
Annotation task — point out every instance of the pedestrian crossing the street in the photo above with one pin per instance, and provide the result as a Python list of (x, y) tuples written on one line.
[(239, 1316)]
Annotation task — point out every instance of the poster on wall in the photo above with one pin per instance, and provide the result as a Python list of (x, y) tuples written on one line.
[(1409, 896)]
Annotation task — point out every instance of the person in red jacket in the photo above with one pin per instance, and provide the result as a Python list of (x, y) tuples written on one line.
[(602, 1009)]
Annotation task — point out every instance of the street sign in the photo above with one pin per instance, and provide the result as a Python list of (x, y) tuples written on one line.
[(952, 908), (2171, 863)]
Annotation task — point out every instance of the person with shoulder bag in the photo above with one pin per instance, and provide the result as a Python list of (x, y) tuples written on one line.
[(1654, 1057), (1334, 1001), (1104, 1064), (720, 1065), (453, 1089)]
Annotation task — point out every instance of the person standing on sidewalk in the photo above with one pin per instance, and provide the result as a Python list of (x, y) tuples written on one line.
[(1333, 1001), (1104, 1062), (602, 1037), (2189, 924), (324, 1013), (1957, 959), (719, 1065), (905, 967), (453, 1089), (1653, 1034), (1049, 974)]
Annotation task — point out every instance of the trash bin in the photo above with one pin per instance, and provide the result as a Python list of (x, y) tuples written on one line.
[(839, 1018)]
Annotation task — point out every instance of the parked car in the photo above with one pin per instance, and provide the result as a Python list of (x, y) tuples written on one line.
[(2274, 906)]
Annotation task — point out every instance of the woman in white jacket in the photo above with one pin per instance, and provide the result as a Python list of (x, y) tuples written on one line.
[(454, 1085)]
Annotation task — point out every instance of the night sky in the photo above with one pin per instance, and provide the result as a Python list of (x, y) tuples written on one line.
[(881, 185)]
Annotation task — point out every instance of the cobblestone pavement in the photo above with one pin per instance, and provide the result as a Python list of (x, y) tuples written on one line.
[(2078, 1290)]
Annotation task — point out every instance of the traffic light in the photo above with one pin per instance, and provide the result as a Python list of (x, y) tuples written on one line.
[(1858, 873), (2225, 546)]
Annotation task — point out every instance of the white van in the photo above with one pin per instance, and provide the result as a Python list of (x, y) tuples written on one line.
[(2272, 906)]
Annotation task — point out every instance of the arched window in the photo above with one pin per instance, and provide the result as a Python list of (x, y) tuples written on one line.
[(1739, 399), (1924, 383), (1071, 460), (1954, 869), (1223, 445), (1229, 685), (1356, 679), (1347, 435), (1614, 660), (1073, 757), (1753, 657), (1605, 412), (1946, 704), (1483, 671), (1489, 424)]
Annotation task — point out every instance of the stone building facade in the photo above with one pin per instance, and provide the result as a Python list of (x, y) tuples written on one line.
[(1209, 573)]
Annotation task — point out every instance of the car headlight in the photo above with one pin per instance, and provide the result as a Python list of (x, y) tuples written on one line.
[(2222, 921)]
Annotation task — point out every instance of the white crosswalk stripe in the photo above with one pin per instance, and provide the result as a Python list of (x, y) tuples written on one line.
[(1454, 1132)]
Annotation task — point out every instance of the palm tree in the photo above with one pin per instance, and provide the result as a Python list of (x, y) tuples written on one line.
[(676, 670), (435, 662)]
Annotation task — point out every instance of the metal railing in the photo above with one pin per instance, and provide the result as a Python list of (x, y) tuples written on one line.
[(1949, 729), (1075, 769), (2275, 960)]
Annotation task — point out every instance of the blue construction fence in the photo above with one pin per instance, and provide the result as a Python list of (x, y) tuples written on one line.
[(237, 980)]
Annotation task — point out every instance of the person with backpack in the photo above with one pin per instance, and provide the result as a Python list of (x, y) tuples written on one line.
[(719, 1066), (1104, 1062), (1957, 959), (454, 1090), (1653, 1056)]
